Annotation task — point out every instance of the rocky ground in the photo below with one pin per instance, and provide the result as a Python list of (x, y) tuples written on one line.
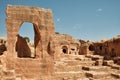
[(81, 67), (69, 67)]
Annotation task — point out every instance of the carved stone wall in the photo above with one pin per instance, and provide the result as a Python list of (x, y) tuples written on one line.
[(109, 48), (64, 44)]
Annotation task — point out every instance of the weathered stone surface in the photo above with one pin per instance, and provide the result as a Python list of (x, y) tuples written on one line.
[(114, 66), (33, 68), (97, 75), (108, 62), (96, 68), (42, 22), (64, 44), (117, 60), (116, 75), (108, 48), (8, 75), (44, 31), (22, 47)]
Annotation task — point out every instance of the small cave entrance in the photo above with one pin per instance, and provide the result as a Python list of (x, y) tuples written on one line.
[(91, 48), (25, 41), (100, 47), (72, 49), (65, 50)]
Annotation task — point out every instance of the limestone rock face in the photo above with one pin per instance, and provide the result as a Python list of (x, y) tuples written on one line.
[(22, 47)]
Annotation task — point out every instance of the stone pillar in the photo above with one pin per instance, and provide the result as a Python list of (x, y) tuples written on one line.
[(12, 31), (37, 42)]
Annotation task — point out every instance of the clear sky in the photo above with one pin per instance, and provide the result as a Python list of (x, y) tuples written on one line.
[(82, 19)]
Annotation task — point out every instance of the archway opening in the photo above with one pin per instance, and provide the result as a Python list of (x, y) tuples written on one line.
[(91, 48), (25, 41), (65, 50)]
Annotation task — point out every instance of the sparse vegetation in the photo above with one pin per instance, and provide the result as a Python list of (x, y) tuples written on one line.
[(27, 39), (57, 33)]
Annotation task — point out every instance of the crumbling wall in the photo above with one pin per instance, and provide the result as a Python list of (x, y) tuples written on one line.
[(86, 47), (109, 49), (74, 49), (44, 31), (112, 47), (99, 48), (64, 44), (42, 23), (22, 47)]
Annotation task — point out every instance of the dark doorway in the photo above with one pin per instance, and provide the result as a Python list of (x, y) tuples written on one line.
[(65, 49), (91, 48), (100, 47)]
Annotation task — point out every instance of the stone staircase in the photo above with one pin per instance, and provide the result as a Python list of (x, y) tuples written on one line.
[(97, 72), (70, 67), (81, 67)]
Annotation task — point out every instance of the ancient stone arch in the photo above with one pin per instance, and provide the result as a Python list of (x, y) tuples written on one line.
[(43, 28)]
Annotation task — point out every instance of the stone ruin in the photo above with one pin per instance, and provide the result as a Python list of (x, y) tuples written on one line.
[(64, 44), (17, 46), (55, 56), (109, 49)]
